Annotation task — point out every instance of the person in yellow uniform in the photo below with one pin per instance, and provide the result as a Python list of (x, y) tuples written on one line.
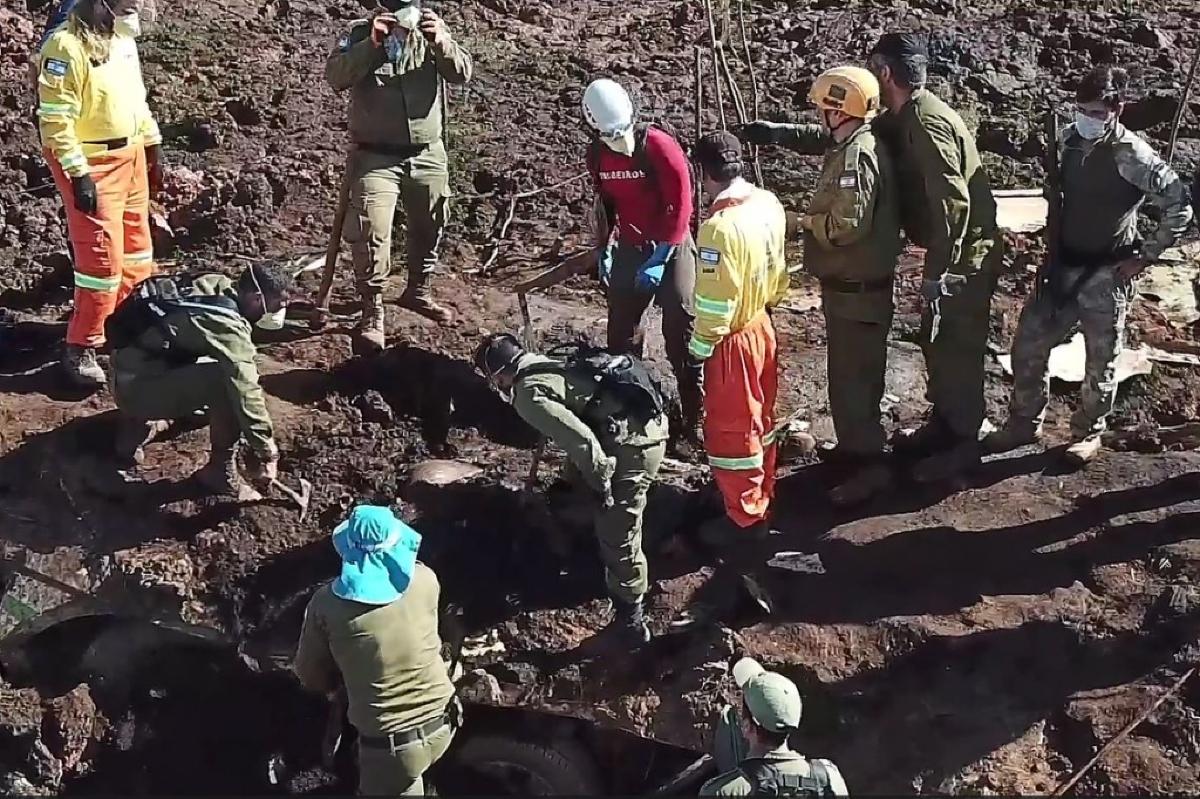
[(103, 145)]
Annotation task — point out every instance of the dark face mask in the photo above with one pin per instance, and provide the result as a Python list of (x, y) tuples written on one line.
[(396, 5)]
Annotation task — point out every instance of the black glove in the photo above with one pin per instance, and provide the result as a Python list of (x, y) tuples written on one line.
[(759, 132), (948, 285), (85, 194)]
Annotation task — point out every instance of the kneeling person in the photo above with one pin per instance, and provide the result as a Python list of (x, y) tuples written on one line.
[(181, 345), (751, 742), (614, 432)]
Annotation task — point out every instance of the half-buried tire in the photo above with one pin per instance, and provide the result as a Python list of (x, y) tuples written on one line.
[(511, 767)]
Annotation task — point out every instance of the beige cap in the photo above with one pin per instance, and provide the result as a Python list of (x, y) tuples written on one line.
[(773, 700)]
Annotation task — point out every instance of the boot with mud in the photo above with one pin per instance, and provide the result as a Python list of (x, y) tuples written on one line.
[(132, 436), (1083, 450), (628, 626), (420, 301), (958, 460), (370, 337), (869, 481), (80, 366), (1015, 434), (931, 437)]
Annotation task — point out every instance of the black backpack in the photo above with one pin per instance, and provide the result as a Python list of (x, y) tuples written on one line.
[(767, 779), (148, 306), (622, 378)]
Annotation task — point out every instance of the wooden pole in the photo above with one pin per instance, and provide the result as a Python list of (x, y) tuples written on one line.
[(716, 66), (1183, 104), (699, 129)]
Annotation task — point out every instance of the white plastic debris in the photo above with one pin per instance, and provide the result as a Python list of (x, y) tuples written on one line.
[(1067, 362)]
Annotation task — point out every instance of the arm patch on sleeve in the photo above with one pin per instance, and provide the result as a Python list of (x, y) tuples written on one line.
[(56, 67), (709, 259), (848, 181)]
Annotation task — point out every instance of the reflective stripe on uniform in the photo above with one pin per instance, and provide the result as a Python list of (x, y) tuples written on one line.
[(139, 257), (736, 464), (710, 306), (769, 438), (93, 283), (701, 349), (57, 110), (75, 159)]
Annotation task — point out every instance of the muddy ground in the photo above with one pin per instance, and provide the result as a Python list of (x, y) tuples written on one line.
[(982, 637)]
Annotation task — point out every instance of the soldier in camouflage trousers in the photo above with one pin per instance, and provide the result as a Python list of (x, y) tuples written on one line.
[(1107, 172)]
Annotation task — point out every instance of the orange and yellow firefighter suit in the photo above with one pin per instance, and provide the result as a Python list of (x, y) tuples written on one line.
[(94, 120), (741, 273)]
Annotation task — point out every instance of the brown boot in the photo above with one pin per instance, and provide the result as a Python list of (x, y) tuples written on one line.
[(370, 337), (132, 435), (220, 476), (420, 302)]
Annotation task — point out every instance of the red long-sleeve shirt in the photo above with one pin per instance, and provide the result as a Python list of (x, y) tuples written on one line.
[(649, 208)]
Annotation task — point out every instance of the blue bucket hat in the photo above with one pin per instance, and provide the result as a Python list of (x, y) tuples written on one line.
[(379, 553)]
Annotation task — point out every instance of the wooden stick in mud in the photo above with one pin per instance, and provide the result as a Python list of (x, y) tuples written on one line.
[(699, 127), (1183, 105), (716, 67), (1120, 736), (756, 106), (739, 106)]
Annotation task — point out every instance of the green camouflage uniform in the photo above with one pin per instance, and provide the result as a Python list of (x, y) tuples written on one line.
[(731, 749), (398, 156), (224, 377), (623, 460), (947, 207), (851, 243), (1104, 184)]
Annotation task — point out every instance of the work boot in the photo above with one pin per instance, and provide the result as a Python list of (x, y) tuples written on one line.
[(932, 436), (1084, 450), (220, 476), (628, 625), (132, 436), (370, 337), (957, 460), (81, 368), (420, 302), (1015, 434), (722, 534), (867, 482)]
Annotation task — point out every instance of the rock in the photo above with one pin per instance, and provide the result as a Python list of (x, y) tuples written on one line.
[(375, 409), (70, 727), (481, 687), (1147, 35), (442, 473), (516, 673)]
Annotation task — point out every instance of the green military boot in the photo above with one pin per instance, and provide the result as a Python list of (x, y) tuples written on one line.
[(420, 301), (628, 625), (1015, 434), (932, 436), (960, 459), (80, 366), (370, 337)]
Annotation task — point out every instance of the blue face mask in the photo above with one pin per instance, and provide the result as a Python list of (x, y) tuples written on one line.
[(1091, 128)]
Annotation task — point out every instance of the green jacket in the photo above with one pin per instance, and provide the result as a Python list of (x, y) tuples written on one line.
[(852, 227), (555, 405), (945, 196), (225, 337), (389, 657), (389, 104), (734, 783)]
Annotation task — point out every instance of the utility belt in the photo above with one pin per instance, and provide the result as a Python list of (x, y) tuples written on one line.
[(397, 150), (1077, 259), (452, 717), (110, 144), (856, 286)]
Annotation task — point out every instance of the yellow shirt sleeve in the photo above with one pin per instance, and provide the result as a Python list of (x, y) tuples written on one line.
[(718, 286), (780, 280), (63, 69)]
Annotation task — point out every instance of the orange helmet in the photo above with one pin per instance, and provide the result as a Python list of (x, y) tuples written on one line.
[(852, 90)]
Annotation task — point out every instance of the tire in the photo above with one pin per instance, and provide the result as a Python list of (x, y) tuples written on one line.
[(506, 766)]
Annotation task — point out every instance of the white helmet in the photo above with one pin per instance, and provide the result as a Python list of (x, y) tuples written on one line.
[(607, 108)]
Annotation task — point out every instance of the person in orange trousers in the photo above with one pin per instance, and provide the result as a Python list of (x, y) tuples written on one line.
[(742, 273), (102, 144)]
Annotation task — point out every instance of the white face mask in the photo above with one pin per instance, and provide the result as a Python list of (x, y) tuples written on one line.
[(1091, 128), (623, 144), (272, 321), (129, 25), (408, 18)]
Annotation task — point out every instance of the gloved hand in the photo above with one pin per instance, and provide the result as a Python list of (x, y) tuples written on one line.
[(762, 132), (154, 170), (948, 285), (433, 28), (650, 274), (381, 26), (606, 264), (85, 194)]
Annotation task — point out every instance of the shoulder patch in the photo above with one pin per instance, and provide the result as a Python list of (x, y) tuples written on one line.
[(848, 181), (56, 67), (709, 259)]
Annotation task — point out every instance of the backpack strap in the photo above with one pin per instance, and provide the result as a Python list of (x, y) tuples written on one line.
[(820, 775), (763, 774), (641, 131)]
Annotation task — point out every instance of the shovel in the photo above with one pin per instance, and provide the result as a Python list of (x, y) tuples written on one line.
[(301, 497)]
